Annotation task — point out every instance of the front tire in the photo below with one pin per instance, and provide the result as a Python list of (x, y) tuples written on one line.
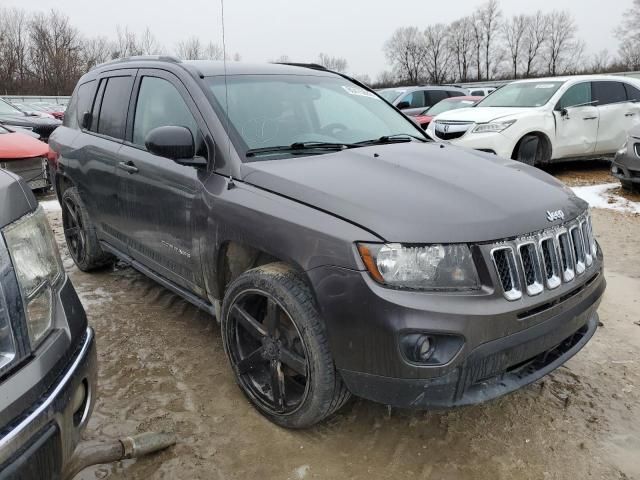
[(278, 348), (529, 150), (80, 234)]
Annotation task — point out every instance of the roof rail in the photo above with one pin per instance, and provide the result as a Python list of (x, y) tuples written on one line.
[(137, 58), (313, 66)]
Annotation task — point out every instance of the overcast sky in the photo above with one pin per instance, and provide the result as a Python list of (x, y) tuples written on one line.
[(261, 30)]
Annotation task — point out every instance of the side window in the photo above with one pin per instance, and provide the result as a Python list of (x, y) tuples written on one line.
[(434, 96), (415, 99), (477, 93), (578, 94), (113, 109), (633, 94), (455, 93), (79, 104), (606, 93), (160, 104)]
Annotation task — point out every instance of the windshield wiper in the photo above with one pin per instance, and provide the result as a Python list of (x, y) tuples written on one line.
[(396, 138), (299, 146)]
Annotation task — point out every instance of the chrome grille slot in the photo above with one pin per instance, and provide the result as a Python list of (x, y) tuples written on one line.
[(578, 248), (531, 268), (586, 238), (566, 256), (551, 262), (505, 263)]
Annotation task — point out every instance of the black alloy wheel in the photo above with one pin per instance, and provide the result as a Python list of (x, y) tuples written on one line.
[(74, 230), (268, 353)]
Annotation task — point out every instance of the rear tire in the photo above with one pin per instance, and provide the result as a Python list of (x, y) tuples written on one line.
[(80, 234), (278, 348), (630, 186)]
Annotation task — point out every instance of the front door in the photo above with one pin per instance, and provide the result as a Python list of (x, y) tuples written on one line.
[(576, 122), (159, 194)]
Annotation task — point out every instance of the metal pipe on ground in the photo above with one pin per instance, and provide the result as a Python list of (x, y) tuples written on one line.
[(136, 446)]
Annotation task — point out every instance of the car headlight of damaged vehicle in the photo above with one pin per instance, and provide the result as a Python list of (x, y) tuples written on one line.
[(38, 267), (420, 267), (493, 127)]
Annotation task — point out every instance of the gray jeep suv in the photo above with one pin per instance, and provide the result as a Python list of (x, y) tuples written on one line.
[(341, 250), (47, 351)]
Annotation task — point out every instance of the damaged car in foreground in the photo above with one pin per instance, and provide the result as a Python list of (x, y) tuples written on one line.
[(342, 251), (47, 351)]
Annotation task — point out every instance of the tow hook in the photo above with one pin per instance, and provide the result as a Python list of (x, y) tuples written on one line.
[(90, 453)]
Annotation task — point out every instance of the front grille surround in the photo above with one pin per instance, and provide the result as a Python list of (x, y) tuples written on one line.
[(544, 260)]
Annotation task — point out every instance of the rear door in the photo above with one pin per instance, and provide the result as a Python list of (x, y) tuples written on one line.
[(616, 115), (416, 101), (158, 194), (576, 122), (98, 147)]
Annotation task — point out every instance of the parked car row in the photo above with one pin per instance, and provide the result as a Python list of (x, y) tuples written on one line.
[(23, 147)]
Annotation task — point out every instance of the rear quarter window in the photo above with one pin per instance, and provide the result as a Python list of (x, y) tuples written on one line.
[(80, 103), (113, 109), (606, 93)]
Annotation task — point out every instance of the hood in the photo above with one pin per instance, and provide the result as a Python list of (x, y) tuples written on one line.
[(421, 192), (19, 145), (482, 114), (16, 198), (24, 120)]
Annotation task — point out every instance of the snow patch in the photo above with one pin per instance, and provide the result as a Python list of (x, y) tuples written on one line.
[(50, 205), (301, 472), (598, 196)]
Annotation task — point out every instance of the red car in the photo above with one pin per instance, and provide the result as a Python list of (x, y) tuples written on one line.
[(25, 155), (424, 118)]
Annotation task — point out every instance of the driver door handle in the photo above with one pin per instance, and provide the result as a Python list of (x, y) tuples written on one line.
[(128, 167), (629, 114), (590, 118)]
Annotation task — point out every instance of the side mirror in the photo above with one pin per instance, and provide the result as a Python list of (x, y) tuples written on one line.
[(403, 105), (175, 143), (564, 112), (85, 121)]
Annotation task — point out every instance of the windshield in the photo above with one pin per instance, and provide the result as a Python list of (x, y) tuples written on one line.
[(279, 110), (446, 105), (5, 108), (522, 94), (390, 94)]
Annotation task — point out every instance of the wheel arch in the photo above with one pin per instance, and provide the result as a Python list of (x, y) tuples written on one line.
[(546, 142)]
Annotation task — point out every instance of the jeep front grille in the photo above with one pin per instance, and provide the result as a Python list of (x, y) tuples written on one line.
[(543, 260)]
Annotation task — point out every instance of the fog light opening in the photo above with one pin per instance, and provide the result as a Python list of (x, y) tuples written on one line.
[(424, 348), (80, 403)]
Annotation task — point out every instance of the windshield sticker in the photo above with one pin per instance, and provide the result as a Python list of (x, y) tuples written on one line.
[(358, 91), (545, 85)]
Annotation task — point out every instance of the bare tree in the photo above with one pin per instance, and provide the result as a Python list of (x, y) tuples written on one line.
[(437, 56), (477, 39), (362, 78), (126, 44), (489, 19), (406, 51), (281, 59), (95, 50), (213, 51), (562, 46), (601, 62), (535, 36), (190, 49), (14, 48), (55, 52), (149, 44), (336, 64), (460, 46), (514, 31), (629, 35), (385, 79)]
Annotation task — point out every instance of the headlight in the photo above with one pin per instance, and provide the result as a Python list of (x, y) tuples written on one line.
[(493, 127), (424, 267), (37, 263), (7, 347)]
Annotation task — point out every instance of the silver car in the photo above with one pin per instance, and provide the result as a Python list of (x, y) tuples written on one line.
[(413, 100)]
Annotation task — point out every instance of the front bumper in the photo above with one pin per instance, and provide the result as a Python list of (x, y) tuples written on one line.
[(505, 345), (40, 442), (498, 143), (627, 168)]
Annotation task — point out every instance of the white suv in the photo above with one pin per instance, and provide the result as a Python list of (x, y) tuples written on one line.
[(537, 121)]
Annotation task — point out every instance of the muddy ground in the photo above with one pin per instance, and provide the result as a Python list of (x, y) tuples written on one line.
[(162, 367)]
